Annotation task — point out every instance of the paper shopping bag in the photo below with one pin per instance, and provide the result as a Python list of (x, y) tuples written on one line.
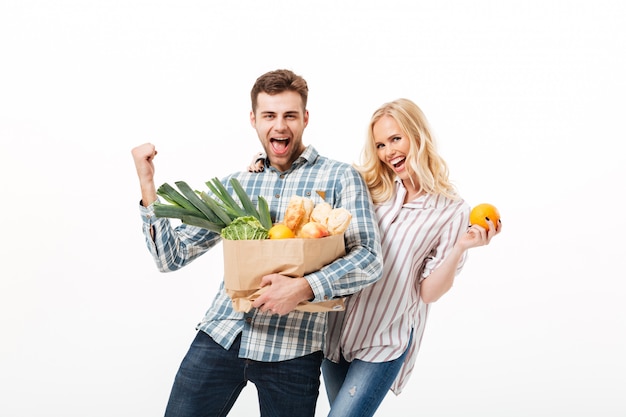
[(247, 261)]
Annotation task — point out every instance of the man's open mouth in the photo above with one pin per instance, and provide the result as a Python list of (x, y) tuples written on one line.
[(279, 145)]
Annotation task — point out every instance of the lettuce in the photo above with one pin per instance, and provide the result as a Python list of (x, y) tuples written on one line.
[(245, 228)]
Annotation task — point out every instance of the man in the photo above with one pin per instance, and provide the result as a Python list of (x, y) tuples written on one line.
[(274, 346)]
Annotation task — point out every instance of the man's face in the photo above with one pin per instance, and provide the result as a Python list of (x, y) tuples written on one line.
[(279, 121)]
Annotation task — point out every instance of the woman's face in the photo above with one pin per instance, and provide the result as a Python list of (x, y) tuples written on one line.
[(392, 145)]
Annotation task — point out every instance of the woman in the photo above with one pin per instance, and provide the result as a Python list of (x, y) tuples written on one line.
[(371, 347)]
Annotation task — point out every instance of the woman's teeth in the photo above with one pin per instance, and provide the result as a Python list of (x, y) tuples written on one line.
[(397, 161)]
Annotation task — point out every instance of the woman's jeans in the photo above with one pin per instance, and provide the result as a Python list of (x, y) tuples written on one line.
[(357, 388), (211, 378)]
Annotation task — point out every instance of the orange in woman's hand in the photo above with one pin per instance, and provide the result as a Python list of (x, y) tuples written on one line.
[(478, 214), (280, 231)]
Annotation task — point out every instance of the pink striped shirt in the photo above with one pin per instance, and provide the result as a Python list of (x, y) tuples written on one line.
[(377, 322)]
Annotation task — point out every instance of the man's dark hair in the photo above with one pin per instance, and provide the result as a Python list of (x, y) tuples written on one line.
[(278, 81)]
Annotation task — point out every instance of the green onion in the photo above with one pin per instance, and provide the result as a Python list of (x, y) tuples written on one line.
[(197, 208)]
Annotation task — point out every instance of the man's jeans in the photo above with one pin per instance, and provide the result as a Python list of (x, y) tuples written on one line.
[(211, 378)]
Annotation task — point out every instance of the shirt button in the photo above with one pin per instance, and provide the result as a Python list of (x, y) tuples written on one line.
[(248, 320), (277, 195)]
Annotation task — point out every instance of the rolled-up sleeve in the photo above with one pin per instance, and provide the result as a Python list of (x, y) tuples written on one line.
[(172, 248)]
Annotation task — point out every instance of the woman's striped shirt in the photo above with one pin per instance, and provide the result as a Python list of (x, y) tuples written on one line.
[(377, 322)]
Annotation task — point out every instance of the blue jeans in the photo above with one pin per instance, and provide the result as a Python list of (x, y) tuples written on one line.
[(210, 379), (357, 388)]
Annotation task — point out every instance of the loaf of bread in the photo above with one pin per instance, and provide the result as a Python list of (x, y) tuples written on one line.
[(338, 220), (301, 210), (298, 212), (320, 212)]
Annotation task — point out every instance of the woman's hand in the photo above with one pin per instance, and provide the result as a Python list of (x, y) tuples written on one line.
[(479, 236), (258, 163)]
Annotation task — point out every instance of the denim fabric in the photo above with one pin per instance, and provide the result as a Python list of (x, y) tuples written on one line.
[(211, 378), (357, 388)]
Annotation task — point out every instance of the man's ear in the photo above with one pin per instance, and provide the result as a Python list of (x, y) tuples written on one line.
[(306, 118), (252, 119)]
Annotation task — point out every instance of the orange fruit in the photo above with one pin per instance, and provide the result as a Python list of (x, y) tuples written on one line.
[(280, 231), (479, 212)]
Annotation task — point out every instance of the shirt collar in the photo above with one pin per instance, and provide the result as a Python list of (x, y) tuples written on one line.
[(424, 201), (309, 155)]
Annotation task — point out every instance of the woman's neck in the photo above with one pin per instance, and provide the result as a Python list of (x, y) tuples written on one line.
[(411, 191)]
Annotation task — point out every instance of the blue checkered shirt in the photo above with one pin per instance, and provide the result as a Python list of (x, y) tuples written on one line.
[(266, 337)]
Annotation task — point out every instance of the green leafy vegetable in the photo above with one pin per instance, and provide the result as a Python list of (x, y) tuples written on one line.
[(245, 228)]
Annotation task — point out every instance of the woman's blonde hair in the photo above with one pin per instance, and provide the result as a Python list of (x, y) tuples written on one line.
[(423, 158)]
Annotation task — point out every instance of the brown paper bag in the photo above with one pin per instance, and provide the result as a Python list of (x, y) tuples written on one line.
[(247, 261)]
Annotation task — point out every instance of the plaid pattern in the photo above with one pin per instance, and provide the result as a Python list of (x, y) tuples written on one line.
[(266, 337)]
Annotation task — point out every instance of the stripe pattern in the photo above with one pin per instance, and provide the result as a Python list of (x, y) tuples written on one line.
[(377, 322)]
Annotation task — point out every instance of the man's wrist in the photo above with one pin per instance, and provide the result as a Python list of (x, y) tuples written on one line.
[(307, 291)]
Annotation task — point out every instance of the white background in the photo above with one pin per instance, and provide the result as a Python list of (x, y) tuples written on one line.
[(526, 99)]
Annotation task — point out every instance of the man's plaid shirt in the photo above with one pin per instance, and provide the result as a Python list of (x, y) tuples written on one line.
[(266, 337)]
